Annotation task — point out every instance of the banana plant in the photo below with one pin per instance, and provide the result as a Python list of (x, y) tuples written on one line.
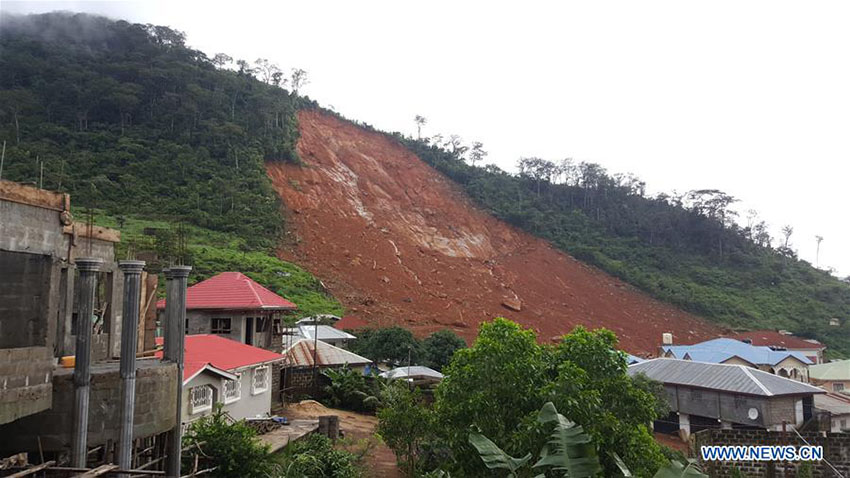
[(568, 451)]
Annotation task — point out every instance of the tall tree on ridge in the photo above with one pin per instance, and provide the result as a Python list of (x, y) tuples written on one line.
[(420, 122)]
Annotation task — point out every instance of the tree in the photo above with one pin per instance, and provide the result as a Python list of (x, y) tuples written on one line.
[(568, 449), (266, 69), (15, 103), (787, 231), (403, 423), (395, 345), (498, 383), (477, 153), (456, 143), (233, 446), (348, 389), (537, 169), (299, 79), (439, 348), (221, 59), (420, 122)]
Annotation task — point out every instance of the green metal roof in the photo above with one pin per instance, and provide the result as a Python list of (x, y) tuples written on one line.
[(838, 370)]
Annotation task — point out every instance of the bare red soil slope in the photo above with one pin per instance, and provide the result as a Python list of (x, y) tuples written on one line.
[(399, 243)]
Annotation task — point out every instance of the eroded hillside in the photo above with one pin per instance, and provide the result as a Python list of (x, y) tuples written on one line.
[(398, 243)]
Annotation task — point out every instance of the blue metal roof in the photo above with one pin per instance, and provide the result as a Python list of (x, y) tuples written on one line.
[(632, 359), (722, 349)]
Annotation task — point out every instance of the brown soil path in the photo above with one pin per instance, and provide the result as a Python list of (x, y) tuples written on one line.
[(359, 431), (399, 243)]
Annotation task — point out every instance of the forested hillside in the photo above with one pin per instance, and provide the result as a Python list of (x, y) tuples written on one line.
[(687, 250), (152, 134), (127, 118)]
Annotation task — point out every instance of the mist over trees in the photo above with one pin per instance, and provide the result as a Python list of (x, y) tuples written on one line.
[(126, 117)]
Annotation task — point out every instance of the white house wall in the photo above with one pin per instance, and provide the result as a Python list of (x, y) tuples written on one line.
[(248, 405)]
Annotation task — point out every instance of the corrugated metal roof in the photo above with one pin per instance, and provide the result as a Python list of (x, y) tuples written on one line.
[(325, 332), (722, 377), (300, 354), (838, 370), (834, 403), (721, 349), (414, 372)]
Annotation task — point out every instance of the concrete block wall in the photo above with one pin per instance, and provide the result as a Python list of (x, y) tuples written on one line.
[(155, 410), (836, 448), (26, 376)]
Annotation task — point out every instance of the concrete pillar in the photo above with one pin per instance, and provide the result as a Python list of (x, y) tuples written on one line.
[(129, 338), (684, 426), (88, 268), (724, 425), (173, 351)]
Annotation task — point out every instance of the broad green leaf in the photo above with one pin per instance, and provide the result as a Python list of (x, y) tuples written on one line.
[(621, 465), (494, 457), (569, 448)]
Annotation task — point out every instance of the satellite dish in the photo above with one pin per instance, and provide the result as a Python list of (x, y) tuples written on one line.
[(753, 413)]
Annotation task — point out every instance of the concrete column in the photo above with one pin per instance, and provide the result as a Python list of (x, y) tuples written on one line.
[(173, 351), (88, 268), (684, 426), (129, 337)]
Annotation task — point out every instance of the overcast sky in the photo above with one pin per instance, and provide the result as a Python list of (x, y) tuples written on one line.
[(750, 97)]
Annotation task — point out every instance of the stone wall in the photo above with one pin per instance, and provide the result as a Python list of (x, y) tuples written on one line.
[(155, 411), (836, 449)]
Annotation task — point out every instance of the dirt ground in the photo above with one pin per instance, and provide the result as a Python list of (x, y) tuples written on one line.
[(359, 432), (399, 243)]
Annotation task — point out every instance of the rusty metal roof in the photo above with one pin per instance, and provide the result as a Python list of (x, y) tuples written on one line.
[(300, 354)]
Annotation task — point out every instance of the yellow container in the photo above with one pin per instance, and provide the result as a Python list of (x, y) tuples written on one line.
[(68, 361)]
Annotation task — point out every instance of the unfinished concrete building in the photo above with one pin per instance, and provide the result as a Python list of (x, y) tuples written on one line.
[(40, 316)]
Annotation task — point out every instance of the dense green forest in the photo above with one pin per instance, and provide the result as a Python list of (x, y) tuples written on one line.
[(152, 134), (687, 250), (126, 117)]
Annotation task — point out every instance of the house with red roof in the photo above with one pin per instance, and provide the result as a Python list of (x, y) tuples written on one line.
[(220, 370), (233, 306), (782, 341)]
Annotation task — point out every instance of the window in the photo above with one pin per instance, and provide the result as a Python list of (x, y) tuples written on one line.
[(260, 381), (261, 324), (232, 389), (837, 387), (201, 399), (277, 327), (843, 425), (221, 325)]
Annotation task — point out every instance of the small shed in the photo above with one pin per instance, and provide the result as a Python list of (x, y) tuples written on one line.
[(306, 358)]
